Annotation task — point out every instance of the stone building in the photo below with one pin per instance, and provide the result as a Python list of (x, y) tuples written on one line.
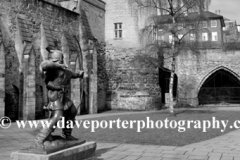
[(231, 33), (211, 27), (131, 84), (136, 86), (27, 27), (115, 77)]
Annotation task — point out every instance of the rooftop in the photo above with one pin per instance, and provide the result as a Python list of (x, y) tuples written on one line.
[(192, 16)]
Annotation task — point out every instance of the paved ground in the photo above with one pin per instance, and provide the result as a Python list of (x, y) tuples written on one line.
[(226, 147)]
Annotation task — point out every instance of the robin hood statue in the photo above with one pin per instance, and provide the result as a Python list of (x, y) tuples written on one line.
[(57, 80)]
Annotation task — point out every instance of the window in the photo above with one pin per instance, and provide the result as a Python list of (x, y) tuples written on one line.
[(204, 36), (192, 37), (213, 23), (214, 36), (170, 38), (118, 30), (204, 24)]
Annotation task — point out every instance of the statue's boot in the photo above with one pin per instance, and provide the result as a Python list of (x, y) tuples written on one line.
[(66, 134), (47, 130), (70, 138), (41, 137), (70, 115), (49, 138)]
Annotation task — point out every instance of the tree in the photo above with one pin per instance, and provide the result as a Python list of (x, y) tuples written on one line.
[(179, 19)]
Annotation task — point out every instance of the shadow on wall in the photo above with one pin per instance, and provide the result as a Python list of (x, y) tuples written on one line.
[(103, 79)]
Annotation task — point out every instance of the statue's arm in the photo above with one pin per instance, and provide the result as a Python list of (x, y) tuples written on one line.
[(52, 86), (78, 74), (46, 65)]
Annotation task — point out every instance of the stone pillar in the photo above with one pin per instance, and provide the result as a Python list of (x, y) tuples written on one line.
[(75, 85), (2, 77), (83, 56), (26, 55), (29, 86), (92, 72)]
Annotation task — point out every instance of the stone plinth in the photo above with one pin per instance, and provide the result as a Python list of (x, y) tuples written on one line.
[(83, 151)]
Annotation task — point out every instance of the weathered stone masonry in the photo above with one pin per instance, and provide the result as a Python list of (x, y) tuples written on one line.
[(133, 87), (27, 28), (131, 84), (2, 75), (22, 19), (193, 71)]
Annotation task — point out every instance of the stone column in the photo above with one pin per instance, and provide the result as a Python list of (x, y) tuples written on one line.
[(27, 67), (92, 72), (29, 86), (2, 79), (83, 56), (75, 85)]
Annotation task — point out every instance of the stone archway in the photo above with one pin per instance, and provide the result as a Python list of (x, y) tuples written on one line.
[(221, 85)]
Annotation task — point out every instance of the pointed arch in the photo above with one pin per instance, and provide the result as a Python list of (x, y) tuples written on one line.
[(215, 70), (221, 85)]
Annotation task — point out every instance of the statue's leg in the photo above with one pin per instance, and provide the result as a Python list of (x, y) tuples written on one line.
[(46, 131), (69, 114)]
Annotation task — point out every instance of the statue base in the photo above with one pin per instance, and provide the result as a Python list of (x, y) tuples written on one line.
[(72, 152)]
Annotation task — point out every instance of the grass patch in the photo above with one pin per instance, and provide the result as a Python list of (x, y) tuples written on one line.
[(171, 137)]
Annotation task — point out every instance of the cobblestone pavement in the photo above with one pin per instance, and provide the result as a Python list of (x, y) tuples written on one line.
[(225, 147)]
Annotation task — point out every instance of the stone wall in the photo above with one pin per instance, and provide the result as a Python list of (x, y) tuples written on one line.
[(42, 24), (95, 11), (131, 84), (34, 13), (11, 62), (101, 75), (2, 75), (119, 12), (193, 70)]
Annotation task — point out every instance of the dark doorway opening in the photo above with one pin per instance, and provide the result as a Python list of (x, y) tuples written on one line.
[(221, 87), (83, 105), (12, 103), (164, 80)]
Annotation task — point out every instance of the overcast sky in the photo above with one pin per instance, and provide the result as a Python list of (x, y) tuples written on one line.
[(228, 8)]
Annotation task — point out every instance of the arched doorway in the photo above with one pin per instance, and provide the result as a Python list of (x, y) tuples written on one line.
[(221, 87)]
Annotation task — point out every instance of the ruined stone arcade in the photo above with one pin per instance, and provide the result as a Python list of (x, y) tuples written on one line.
[(27, 27)]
